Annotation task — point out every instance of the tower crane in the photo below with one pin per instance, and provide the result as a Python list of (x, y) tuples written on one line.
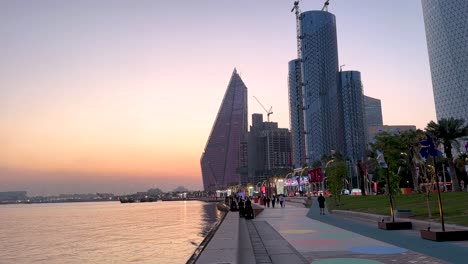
[(269, 112), (297, 11), (325, 6)]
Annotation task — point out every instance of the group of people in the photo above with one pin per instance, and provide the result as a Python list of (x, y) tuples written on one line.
[(237, 203), (244, 207), (265, 200)]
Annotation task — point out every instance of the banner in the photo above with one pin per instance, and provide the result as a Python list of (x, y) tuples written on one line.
[(315, 175)]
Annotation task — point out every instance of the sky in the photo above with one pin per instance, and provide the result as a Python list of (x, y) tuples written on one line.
[(120, 96)]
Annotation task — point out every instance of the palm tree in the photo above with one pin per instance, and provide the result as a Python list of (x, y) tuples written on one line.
[(460, 163), (410, 152), (447, 131)]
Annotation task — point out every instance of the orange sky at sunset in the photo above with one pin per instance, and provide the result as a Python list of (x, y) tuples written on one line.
[(120, 96)]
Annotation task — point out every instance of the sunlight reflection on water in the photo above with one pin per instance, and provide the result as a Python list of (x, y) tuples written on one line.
[(105, 232)]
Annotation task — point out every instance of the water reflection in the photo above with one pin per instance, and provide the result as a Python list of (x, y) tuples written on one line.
[(161, 232), (210, 216)]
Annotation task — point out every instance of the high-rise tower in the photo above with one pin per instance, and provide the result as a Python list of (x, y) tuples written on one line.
[(221, 158), (446, 24), (373, 111), (296, 114), (319, 50), (353, 116)]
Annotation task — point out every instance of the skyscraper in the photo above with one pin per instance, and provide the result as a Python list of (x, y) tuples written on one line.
[(446, 23), (373, 111), (221, 158), (319, 50), (296, 114), (353, 115)]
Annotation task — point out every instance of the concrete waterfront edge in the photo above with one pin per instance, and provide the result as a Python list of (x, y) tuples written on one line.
[(230, 242), (193, 259), (223, 247)]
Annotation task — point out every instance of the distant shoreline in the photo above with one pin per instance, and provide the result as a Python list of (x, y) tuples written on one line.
[(104, 200), (55, 202)]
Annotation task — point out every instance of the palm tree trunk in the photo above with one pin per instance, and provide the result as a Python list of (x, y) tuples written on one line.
[(453, 173), (413, 173), (415, 178), (412, 151)]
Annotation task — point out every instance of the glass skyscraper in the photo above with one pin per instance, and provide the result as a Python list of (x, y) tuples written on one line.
[(296, 114), (221, 159), (353, 115), (373, 111), (319, 50), (446, 23)]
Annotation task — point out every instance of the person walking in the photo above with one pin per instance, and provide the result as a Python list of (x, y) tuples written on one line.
[(241, 208), (248, 211), (273, 200), (321, 201), (281, 200)]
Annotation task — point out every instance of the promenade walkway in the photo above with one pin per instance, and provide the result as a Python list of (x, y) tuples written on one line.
[(298, 235), (322, 239)]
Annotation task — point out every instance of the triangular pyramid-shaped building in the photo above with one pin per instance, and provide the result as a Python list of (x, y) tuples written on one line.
[(221, 158)]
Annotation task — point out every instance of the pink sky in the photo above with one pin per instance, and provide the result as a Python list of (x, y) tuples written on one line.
[(121, 95)]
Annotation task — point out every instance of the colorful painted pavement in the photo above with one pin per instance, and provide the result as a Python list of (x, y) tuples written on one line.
[(321, 243)]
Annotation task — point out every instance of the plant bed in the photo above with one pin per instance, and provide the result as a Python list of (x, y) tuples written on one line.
[(445, 236), (395, 225)]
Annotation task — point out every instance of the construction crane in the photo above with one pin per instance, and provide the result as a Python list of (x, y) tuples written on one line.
[(297, 11), (325, 6), (269, 112)]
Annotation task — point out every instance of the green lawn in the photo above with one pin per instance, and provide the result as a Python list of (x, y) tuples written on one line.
[(455, 205)]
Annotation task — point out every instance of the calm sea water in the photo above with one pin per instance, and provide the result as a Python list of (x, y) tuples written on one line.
[(104, 232)]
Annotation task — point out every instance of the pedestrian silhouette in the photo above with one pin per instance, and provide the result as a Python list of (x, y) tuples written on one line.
[(321, 201)]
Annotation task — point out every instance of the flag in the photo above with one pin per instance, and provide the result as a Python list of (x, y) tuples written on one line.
[(381, 159), (428, 148)]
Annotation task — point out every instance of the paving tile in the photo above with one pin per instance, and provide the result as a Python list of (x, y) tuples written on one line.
[(291, 235)]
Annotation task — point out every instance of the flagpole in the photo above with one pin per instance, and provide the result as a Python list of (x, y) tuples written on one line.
[(390, 195), (441, 211), (384, 165)]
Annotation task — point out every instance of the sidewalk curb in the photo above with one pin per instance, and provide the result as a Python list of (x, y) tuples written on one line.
[(417, 224)]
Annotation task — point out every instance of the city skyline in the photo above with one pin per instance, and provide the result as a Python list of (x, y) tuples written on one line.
[(109, 95)]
